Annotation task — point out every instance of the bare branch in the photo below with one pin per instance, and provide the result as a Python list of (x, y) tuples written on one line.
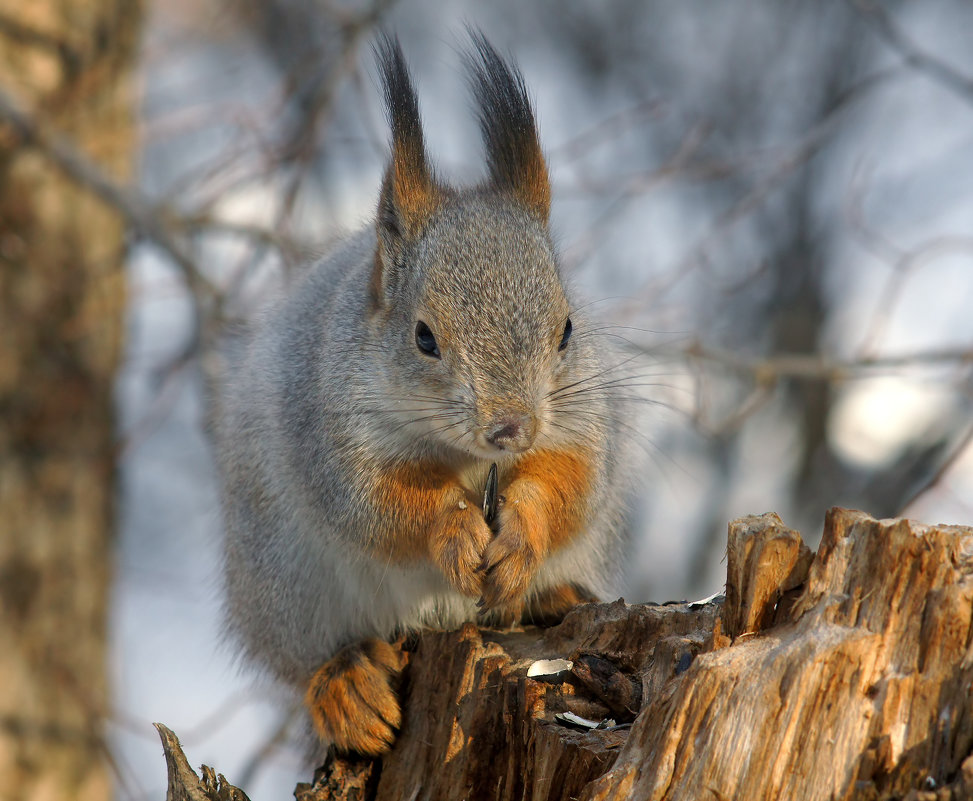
[(134, 208), (792, 159), (581, 145), (299, 145), (939, 71), (815, 366), (209, 223), (901, 261), (947, 464)]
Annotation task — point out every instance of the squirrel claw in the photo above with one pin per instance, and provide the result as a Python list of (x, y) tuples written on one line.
[(509, 563)]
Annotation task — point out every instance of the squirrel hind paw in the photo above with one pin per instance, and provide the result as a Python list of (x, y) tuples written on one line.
[(352, 701)]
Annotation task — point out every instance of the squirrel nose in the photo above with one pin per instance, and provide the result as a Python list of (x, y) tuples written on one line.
[(512, 433)]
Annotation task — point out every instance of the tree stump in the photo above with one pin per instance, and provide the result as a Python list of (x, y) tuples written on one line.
[(841, 675)]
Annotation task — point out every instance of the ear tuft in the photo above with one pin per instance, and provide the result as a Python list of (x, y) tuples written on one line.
[(410, 194), (514, 156)]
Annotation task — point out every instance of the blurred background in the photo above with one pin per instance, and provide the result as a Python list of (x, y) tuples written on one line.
[(772, 201)]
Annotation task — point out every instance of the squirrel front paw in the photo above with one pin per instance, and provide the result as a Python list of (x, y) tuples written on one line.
[(351, 699), (457, 544), (512, 558)]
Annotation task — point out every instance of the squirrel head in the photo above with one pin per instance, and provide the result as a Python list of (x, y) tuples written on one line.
[(465, 287)]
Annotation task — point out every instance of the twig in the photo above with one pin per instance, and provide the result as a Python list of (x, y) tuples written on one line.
[(162, 403), (136, 211), (610, 127), (805, 148), (901, 261), (915, 57), (209, 223), (758, 397), (958, 450), (584, 249), (791, 160), (298, 147), (815, 366)]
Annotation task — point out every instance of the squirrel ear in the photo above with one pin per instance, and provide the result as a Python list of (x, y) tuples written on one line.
[(514, 156), (410, 194)]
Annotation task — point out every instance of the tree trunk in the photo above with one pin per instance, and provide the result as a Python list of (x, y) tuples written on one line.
[(69, 62), (840, 675)]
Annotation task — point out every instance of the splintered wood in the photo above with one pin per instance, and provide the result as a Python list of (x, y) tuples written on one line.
[(841, 675), (862, 690)]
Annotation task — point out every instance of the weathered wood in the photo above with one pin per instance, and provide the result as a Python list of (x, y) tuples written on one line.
[(351, 778), (184, 784), (862, 691), (766, 564), (476, 727), (845, 675)]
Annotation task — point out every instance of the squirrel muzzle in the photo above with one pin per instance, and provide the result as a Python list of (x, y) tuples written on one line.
[(511, 432)]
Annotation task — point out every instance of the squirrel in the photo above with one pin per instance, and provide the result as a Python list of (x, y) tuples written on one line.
[(372, 403)]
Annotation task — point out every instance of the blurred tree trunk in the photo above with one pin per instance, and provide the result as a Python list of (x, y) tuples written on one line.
[(61, 313)]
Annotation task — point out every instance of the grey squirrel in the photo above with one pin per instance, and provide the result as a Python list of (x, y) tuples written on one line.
[(357, 435)]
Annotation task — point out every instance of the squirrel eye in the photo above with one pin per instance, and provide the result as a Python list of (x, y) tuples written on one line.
[(425, 340), (566, 335)]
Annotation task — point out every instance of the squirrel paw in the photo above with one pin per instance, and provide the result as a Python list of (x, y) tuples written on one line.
[(458, 543), (351, 699), (511, 559)]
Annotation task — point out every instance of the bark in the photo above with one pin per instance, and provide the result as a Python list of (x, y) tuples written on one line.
[(844, 674), (67, 62)]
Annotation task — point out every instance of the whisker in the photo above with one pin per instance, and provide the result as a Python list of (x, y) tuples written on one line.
[(621, 381), (389, 436), (651, 449), (592, 377), (438, 398), (441, 429), (389, 412), (455, 439), (591, 303), (626, 380), (640, 330), (570, 429), (614, 393), (379, 410), (570, 406), (422, 419)]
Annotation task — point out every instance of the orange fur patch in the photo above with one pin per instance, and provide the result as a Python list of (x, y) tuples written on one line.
[(534, 190), (424, 513), (414, 192), (351, 698), (408, 500), (552, 487)]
